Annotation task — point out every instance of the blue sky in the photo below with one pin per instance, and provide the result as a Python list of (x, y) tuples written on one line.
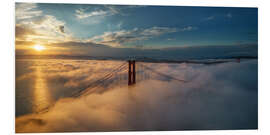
[(135, 26)]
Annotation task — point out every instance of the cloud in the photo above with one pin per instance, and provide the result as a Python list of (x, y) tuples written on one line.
[(22, 32), (118, 38), (188, 28), (45, 29), (171, 39), (156, 31), (49, 25), (121, 10), (33, 25), (88, 16), (221, 96), (82, 14), (107, 10), (18, 42), (72, 73), (26, 11), (209, 18), (229, 15)]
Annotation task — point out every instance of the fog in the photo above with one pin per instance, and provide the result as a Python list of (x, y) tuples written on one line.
[(221, 96)]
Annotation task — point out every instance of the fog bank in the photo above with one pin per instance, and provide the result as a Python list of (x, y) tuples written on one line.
[(222, 96)]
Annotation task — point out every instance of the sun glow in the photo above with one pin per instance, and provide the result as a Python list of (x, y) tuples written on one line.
[(38, 47)]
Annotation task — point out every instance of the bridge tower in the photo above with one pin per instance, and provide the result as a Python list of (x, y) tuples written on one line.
[(131, 72)]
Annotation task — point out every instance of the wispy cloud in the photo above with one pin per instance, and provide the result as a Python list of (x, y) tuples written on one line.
[(47, 29), (49, 25), (107, 10), (171, 39), (26, 11), (22, 32), (156, 31), (34, 26), (82, 14), (188, 28), (118, 38), (86, 16), (209, 18)]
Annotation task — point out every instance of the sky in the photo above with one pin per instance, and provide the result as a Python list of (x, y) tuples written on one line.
[(75, 28)]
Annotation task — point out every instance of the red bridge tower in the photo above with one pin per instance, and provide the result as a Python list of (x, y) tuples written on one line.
[(131, 72)]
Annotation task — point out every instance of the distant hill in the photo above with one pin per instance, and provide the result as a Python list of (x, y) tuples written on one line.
[(176, 54)]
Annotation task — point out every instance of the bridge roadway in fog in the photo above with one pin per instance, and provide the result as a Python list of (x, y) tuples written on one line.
[(136, 71)]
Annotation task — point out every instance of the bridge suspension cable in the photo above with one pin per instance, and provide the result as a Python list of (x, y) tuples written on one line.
[(92, 85), (104, 80), (101, 80), (123, 67), (162, 74)]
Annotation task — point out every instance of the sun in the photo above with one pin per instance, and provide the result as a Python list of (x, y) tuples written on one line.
[(38, 47)]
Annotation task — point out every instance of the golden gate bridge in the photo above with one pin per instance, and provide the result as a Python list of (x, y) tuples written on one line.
[(129, 72), (126, 73)]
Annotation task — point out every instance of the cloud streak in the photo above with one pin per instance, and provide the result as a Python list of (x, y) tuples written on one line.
[(103, 11), (82, 14), (26, 11), (119, 38), (209, 18)]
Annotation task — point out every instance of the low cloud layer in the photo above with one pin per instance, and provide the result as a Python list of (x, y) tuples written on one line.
[(222, 96)]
